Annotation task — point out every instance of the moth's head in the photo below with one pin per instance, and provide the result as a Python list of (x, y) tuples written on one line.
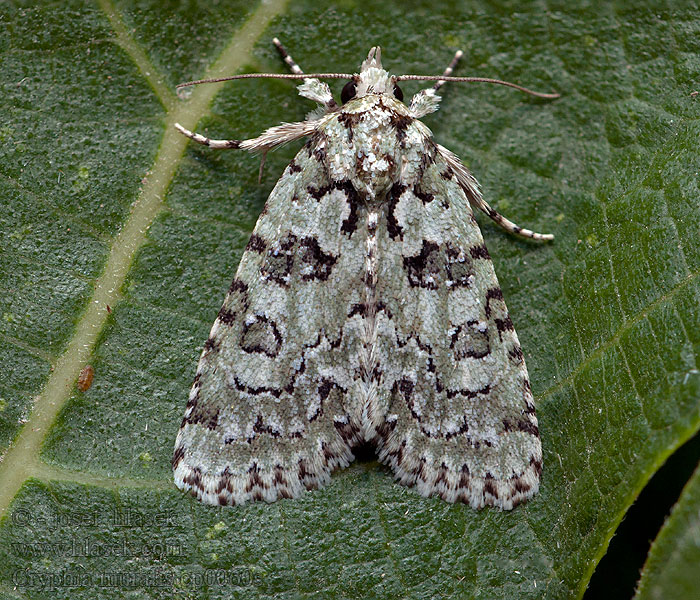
[(371, 79)]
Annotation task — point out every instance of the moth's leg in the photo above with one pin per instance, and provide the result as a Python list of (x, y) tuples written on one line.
[(508, 225), (293, 66), (427, 100), (317, 91), (275, 136), (448, 71), (205, 141), (471, 189)]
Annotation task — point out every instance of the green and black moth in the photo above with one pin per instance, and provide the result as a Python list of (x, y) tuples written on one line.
[(365, 309)]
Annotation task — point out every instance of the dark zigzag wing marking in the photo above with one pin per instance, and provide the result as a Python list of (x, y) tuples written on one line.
[(458, 412), (269, 415)]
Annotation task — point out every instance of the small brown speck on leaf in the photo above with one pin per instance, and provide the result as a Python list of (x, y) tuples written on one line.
[(85, 378)]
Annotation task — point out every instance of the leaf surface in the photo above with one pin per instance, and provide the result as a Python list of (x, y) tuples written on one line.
[(104, 204)]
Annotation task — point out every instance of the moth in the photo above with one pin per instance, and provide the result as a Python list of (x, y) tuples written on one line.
[(365, 309)]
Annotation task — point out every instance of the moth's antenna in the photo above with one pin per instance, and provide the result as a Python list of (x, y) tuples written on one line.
[(271, 76), (438, 78), (473, 80)]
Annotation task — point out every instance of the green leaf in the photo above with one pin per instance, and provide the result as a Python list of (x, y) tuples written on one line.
[(104, 205), (671, 571)]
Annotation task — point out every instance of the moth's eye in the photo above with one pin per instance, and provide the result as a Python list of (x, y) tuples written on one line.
[(349, 91), (398, 94)]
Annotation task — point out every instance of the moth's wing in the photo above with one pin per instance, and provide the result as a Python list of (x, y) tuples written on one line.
[(269, 413), (458, 414)]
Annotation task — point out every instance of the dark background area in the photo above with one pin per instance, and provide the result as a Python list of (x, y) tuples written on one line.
[(618, 572)]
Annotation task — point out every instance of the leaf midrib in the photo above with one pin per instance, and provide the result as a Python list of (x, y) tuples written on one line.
[(22, 458)]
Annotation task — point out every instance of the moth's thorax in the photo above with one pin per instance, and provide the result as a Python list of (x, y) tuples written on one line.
[(372, 141)]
